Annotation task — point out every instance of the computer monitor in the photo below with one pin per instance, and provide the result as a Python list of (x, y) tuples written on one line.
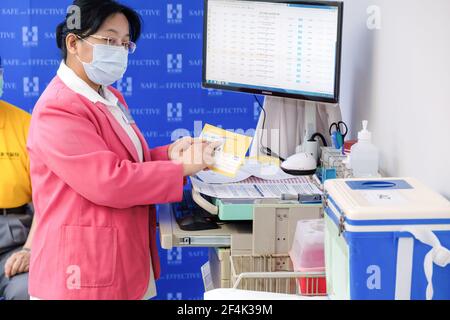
[(276, 48)]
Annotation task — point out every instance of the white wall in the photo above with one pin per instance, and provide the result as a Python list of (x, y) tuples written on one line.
[(398, 78)]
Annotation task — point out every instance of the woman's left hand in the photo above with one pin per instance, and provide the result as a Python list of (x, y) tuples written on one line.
[(17, 263), (177, 148)]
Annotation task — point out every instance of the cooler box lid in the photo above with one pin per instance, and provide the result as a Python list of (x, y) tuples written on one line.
[(387, 199)]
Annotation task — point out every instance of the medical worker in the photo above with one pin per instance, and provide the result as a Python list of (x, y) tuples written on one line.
[(95, 180)]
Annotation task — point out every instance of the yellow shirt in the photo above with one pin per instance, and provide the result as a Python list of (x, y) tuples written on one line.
[(15, 184)]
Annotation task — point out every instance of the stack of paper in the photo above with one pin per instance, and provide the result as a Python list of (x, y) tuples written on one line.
[(256, 188), (249, 169)]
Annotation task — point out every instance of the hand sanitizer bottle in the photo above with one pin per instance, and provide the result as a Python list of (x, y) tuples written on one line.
[(364, 155)]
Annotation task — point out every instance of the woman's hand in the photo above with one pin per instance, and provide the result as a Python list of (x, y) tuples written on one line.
[(17, 263), (198, 156), (177, 148)]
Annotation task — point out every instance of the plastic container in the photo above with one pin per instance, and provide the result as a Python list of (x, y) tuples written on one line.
[(386, 239), (364, 155), (308, 255)]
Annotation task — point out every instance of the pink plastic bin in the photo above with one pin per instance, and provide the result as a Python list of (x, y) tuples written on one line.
[(308, 255)]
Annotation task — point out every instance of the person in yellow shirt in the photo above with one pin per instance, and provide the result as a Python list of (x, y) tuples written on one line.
[(16, 219)]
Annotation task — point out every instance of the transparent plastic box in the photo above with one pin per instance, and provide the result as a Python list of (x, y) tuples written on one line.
[(308, 256)]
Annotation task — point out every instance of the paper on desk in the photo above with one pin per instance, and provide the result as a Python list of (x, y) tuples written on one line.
[(231, 155), (255, 188), (265, 171), (210, 176)]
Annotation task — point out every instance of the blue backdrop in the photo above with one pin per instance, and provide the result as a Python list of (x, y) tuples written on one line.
[(162, 87)]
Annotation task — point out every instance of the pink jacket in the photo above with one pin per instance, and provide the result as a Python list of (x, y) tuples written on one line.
[(93, 200)]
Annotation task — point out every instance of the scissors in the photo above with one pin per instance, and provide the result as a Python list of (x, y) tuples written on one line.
[(339, 133)]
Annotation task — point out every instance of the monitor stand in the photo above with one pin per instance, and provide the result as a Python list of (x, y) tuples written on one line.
[(310, 124)]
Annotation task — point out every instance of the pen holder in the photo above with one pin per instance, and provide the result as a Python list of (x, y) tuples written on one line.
[(334, 159)]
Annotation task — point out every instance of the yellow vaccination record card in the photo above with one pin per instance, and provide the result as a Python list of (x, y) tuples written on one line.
[(230, 155)]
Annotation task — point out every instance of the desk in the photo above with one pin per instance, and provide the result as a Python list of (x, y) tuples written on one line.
[(270, 232), (237, 234)]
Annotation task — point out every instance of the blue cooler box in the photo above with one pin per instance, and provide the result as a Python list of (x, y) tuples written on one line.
[(386, 239)]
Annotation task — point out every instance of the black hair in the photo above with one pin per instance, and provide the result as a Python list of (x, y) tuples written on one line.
[(92, 15)]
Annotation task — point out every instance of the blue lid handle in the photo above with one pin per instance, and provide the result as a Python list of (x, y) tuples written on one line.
[(379, 185)]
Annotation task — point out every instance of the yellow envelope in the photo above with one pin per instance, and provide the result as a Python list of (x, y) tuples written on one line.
[(231, 155)]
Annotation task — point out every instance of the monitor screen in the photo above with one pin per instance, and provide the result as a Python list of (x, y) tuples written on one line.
[(281, 48)]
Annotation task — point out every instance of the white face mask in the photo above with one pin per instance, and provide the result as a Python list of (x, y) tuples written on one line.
[(108, 65)]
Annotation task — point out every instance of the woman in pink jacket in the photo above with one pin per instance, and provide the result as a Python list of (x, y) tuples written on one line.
[(94, 178)]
